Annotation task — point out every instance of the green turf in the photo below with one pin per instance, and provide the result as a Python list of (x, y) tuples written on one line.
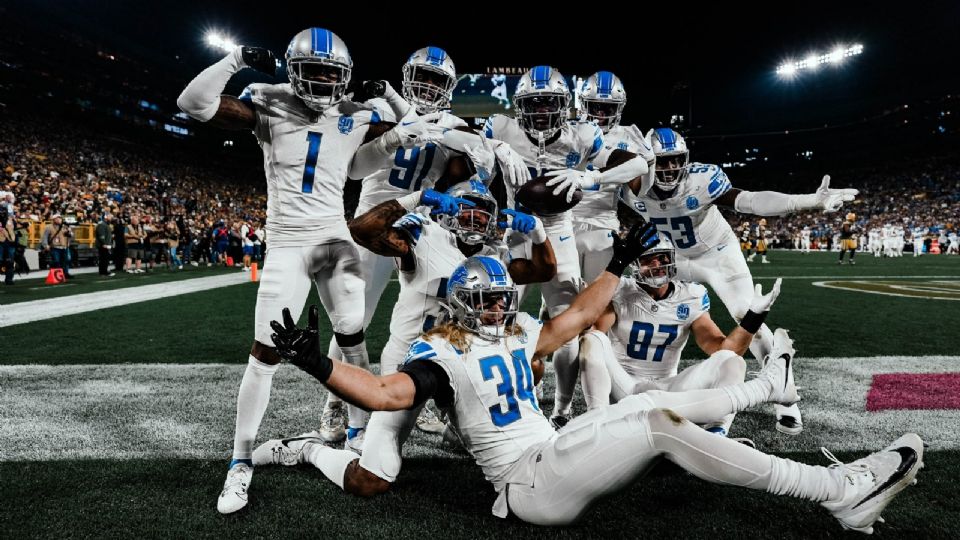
[(35, 289), (434, 499), (217, 325)]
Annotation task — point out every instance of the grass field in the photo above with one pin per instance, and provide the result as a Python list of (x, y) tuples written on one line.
[(116, 440)]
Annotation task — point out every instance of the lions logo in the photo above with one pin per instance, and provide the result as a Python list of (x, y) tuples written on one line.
[(692, 203), (345, 125), (573, 158), (683, 311)]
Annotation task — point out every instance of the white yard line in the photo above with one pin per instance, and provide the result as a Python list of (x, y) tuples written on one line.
[(49, 308)]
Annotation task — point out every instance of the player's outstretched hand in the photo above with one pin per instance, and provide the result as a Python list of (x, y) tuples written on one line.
[(524, 224), (301, 346), (416, 132), (260, 59), (443, 203), (638, 240), (830, 200), (763, 302), (483, 157), (569, 180), (515, 170)]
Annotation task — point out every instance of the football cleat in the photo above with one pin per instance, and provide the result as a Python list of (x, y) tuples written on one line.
[(789, 424), (331, 423), (286, 452), (559, 420), (870, 483), (234, 494), (778, 369), (354, 441), (429, 422)]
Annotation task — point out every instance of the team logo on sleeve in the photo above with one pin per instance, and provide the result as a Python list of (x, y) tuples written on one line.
[(573, 158), (345, 125), (419, 350), (692, 203), (705, 303), (623, 145), (683, 311)]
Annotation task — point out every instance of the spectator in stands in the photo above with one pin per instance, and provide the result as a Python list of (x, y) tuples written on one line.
[(247, 236), (56, 241), (104, 243), (135, 237), (173, 241), (8, 245)]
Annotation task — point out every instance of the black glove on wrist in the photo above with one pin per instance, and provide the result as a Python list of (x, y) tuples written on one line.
[(260, 59), (626, 249), (301, 346), (366, 90)]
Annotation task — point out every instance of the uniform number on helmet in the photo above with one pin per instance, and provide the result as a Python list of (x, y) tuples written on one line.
[(524, 388), (641, 337), (682, 225)]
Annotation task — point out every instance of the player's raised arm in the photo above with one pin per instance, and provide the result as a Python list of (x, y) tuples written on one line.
[(592, 301), (202, 98), (382, 140), (709, 337), (774, 203), (618, 167), (542, 264)]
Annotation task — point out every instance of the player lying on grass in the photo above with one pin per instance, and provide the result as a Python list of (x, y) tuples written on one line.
[(478, 366), (648, 322)]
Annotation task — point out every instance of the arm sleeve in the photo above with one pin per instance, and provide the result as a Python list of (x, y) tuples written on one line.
[(431, 381), (771, 203), (201, 98)]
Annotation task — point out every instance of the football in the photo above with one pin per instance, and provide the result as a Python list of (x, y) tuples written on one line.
[(539, 197)]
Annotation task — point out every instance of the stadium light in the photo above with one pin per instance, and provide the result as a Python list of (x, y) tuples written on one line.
[(790, 68), (220, 42)]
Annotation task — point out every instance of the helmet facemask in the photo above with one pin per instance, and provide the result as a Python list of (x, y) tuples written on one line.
[(605, 112), (426, 88), (319, 82), (671, 170), (473, 225), (488, 312), (542, 114), (655, 269)]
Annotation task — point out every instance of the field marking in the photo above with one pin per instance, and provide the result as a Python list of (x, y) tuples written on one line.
[(853, 277), (133, 411), (834, 284), (50, 308), (60, 286)]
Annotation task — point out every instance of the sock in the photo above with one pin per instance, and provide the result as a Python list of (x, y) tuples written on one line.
[(332, 462), (356, 355), (333, 351), (568, 369), (252, 401), (594, 379)]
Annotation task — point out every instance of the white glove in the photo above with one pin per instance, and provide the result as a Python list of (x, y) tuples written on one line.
[(483, 157), (413, 133), (514, 169), (762, 302), (830, 200), (568, 180)]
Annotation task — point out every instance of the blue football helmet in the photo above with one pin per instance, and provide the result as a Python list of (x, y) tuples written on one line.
[(319, 67), (429, 77), (542, 101), (474, 224), (672, 157), (475, 288), (603, 98)]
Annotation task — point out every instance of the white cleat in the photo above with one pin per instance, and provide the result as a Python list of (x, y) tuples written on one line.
[(870, 483), (429, 422), (287, 452), (234, 494), (332, 426), (354, 441), (778, 369)]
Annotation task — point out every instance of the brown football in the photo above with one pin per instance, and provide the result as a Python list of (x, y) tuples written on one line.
[(539, 198)]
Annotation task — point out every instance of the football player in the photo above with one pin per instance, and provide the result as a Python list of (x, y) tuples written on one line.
[(683, 204), (595, 216), (648, 322), (919, 234), (309, 134), (554, 146), (482, 363), (805, 239), (746, 244), (758, 236), (848, 237), (428, 253)]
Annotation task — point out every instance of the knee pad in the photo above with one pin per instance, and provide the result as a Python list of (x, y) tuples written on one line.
[(595, 347)]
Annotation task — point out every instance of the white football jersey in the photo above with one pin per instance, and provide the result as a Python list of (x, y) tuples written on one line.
[(422, 289), (306, 157), (578, 144), (649, 334), (805, 233), (689, 216), (495, 408), (412, 169), (598, 208)]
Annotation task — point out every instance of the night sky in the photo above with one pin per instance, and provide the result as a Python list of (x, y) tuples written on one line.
[(726, 56)]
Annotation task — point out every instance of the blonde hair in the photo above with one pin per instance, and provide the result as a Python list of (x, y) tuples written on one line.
[(460, 337)]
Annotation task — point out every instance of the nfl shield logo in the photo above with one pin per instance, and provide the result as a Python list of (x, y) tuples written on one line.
[(692, 203), (683, 311), (345, 125), (573, 158)]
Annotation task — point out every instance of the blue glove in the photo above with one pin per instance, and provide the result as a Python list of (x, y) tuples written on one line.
[(412, 224), (443, 203), (522, 223)]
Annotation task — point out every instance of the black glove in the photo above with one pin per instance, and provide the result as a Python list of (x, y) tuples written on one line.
[(260, 59), (366, 90), (301, 346), (626, 249)]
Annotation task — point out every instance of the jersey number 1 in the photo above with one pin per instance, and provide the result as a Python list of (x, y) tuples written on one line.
[(310, 166)]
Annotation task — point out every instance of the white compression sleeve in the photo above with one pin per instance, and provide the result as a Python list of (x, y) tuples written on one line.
[(626, 171), (370, 158), (201, 98), (772, 203)]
